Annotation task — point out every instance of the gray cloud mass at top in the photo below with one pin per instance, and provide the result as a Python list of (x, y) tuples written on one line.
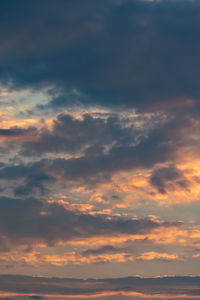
[(142, 54)]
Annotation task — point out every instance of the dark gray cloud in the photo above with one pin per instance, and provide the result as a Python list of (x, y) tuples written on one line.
[(27, 178), (34, 182), (9, 132), (28, 222), (105, 146), (168, 178), (126, 150), (142, 54), (91, 169), (166, 286), (146, 153), (17, 132), (90, 133), (103, 250)]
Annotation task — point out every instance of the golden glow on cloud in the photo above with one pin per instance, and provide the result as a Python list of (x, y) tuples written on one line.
[(133, 295), (134, 187), (154, 255), (159, 236), (36, 258)]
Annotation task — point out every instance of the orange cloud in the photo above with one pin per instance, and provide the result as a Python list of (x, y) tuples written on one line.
[(154, 255), (137, 186), (36, 258), (134, 295)]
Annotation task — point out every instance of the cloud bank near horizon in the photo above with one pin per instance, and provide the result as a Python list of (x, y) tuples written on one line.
[(131, 287)]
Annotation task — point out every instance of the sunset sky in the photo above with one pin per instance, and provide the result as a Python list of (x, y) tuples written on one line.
[(100, 149)]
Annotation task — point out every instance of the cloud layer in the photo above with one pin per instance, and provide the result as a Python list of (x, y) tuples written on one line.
[(50, 223), (156, 288), (142, 54), (99, 143)]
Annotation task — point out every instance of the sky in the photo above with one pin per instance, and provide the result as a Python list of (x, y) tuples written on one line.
[(99, 149)]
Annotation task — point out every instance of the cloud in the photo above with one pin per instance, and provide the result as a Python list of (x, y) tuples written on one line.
[(116, 85), (17, 134), (89, 133), (36, 258), (31, 222), (158, 256), (97, 148), (91, 149), (156, 288), (168, 178), (11, 132), (32, 183), (104, 249), (142, 54), (127, 152)]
